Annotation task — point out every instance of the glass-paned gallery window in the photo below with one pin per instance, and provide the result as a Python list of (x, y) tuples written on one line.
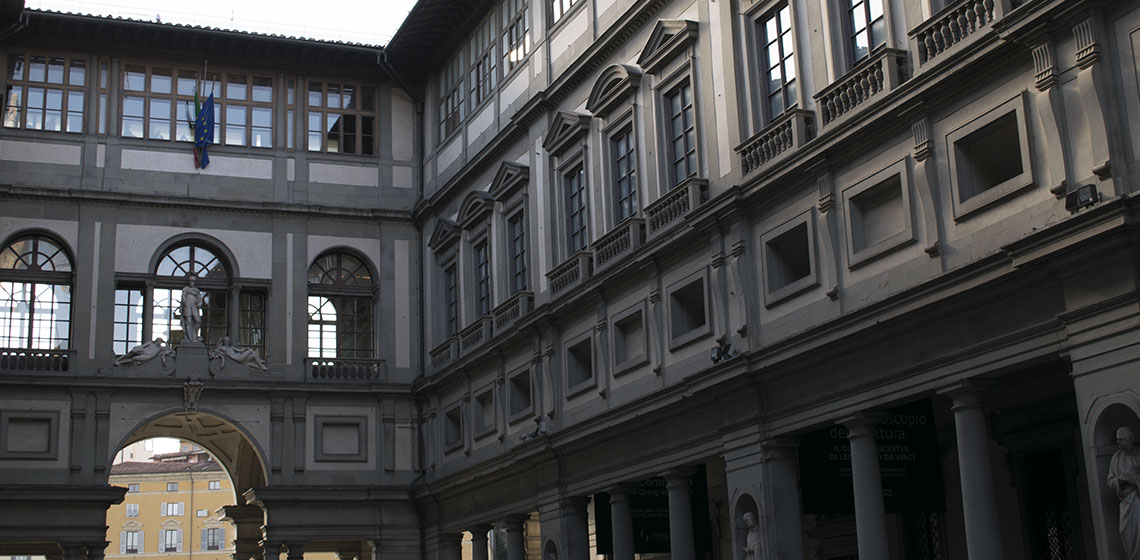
[(778, 68), (484, 61), (516, 33), (574, 183), (340, 307), (342, 118), (159, 103), (451, 105), (866, 27), (558, 8), (624, 171), (681, 128), (44, 92), (482, 257), (516, 239), (35, 294), (451, 289), (150, 307)]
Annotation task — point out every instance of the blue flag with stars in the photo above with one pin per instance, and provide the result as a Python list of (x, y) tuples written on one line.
[(204, 133)]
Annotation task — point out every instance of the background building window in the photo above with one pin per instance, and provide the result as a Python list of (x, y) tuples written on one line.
[(35, 294), (133, 488), (212, 538), (172, 540), (778, 70), (575, 185), (516, 232), (340, 307), (132, 510), (516, 33), (867, 27), (131, 542), (451, 105), (681, 128), (171, 486), (342, 118), (214, 485), (624, 168), (45, 93), (172, 509)]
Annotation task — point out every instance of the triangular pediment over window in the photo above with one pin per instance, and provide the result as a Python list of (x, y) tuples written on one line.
[(566, 128), (615, 85), (446, 233), (510, 177), (669, 39), (132, 525), (474, 207)]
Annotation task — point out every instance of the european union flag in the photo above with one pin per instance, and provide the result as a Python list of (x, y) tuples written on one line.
[(204, 132)]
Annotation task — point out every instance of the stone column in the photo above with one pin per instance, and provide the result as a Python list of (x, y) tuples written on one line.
[(71, 551), (450, 546), (870, 514), (621, 521), (577, 527), (979, 507), (296, 551), (516, 547), (479, 542), (786, 522), (270, 550), (681, 546), (96, 550)]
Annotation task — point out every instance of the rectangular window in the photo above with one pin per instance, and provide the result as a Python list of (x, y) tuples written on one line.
[(558, 8), (132, 541), (35, 315), (251, 324), (160, 104), (340, 327), (213, 538), (575, 185), (516, 33), (682, 132), (484, 61), (133, 488), (201, 513), (451, 290), (214, 485), (45, 92), (778, 69), (451, 105), (171, 486), (342, 118), (482, 279), (172, 509), (516, 232), (172, 540), (867, 27), (128, 319), (624, 169), (132, 510)]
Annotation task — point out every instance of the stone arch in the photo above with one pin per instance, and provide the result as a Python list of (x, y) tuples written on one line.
[(51, 235), (372, 267), (743, 504), (220, 249), (236, 450)]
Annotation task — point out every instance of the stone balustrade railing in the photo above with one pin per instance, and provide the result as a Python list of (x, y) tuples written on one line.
[(951, 26), (881, 72), (668, 210), (29, 360), (571, 273), (444, 354), (512, 310), (790, 131), (475, 334), (345, 370), (623, 240)]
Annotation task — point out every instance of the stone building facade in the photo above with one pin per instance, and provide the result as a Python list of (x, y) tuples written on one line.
[(610, 277)]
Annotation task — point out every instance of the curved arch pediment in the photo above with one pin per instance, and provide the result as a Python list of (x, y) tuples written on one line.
[(446, 233), (615, 85), (475, 205)]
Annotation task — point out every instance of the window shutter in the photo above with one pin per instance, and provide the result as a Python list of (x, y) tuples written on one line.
[(142, 541), (222, 539), (203, 547), (122, 542), (164, 508), (178, 536), (180, 511)]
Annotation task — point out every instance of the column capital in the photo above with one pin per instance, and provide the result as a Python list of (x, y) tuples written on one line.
[(678, 475), (347, 554), (621, 491), (861, 424), (967, 393), (515, 521), (479, 530), (779, 448)]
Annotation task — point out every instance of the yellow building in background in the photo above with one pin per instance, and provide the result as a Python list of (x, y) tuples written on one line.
[(171, 508)]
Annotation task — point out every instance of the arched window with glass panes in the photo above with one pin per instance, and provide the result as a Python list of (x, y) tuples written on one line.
[(150, 308), (341, 294), (35, 294)]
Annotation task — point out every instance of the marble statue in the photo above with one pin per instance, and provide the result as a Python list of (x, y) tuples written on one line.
[(191, 310), (244, 356), (144, 353), (1123, 478), (752, 541)]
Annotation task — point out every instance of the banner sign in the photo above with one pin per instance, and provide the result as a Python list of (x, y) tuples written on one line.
[(649, 503)]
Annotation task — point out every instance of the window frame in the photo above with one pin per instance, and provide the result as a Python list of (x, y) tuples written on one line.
[(615, 155), (64, 86), (858, 256), (774, 295), (128, 537), (32, 279), (576, 167), (515, 33), (995, 193), (343, 292), (358, 111), (850, 34), (761, 62), (560, 10), (672, 159), (483, 61), (452, 102)]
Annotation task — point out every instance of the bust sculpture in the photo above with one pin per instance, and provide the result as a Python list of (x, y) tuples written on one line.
[(245, 356), (1123, 478), (191, 310), (752, 540)]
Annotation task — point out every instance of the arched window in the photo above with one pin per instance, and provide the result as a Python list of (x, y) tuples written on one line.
[(340, 307), (35, 294), (227, 304)]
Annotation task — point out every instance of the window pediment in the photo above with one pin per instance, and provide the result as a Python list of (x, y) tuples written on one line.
[(669, 39), (445, 235), (566, 128), (510, 177), (475, 206), (615, 85)]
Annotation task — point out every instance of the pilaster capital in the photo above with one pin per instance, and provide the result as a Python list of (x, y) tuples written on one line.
[(780, 448)]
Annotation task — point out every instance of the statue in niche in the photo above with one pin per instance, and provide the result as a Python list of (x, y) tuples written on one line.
[(752, 540), (146, 352), (191, 310), (245, 356), (1123, 478)]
